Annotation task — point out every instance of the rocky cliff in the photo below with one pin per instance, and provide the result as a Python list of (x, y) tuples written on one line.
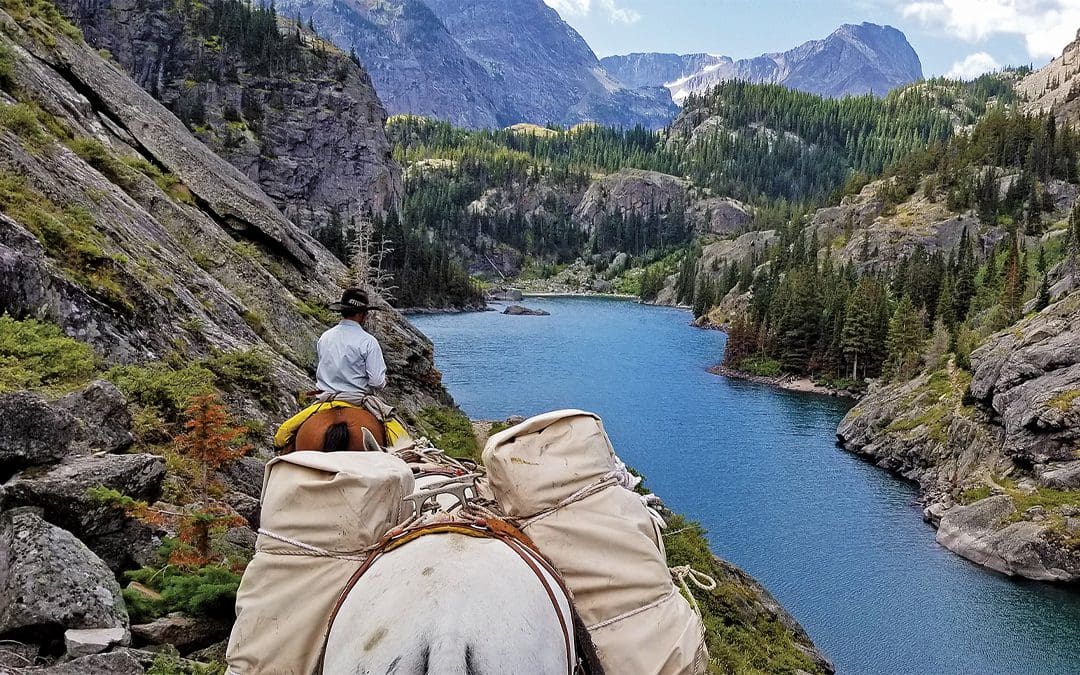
[(481, 63), (994, 450), (1055, 87), (293, 113), (855, 59)]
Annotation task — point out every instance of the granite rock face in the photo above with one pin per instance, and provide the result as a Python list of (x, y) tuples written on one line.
[(310, 133), (478, 63), (1051, 88), (643, 194), (995, 452)]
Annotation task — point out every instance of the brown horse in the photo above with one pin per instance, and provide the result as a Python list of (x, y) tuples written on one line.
[(337, 429)]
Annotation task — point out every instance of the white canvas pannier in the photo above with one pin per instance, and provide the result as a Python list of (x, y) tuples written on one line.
[(557, 475), (342, 502)]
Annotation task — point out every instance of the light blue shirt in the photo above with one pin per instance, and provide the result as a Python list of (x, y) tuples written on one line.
[(350, 360)]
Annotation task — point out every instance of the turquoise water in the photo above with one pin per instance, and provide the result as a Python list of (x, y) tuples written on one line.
[(839, 542)]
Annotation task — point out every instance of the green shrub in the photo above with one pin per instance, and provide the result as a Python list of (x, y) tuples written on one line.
[(247, 370), (760, 366), (7, 68), (45, 12), (450, 430), (22, 120), (208, 591), (164, 388), (167, 662), (37, 354), (972, 495)]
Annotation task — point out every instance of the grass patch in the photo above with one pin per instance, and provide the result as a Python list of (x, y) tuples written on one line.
[(760, 366), (126, 171), (449, 430), (45, 12), (21, 119), (7, 68), (35, 354), (68, 234), (1064, 400), (741, 638), (972, 495)]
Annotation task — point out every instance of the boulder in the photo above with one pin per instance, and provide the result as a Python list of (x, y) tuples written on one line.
[(62, 492), (120, 662), (1061, 475), (185, 633), (33, 432), (51, 582), (80, 642), (518, 310), (245, 475), (1017, 549), (505, 294), (105, 416)]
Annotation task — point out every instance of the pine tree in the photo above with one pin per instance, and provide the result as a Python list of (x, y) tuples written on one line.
[(906, 335), (1012, 291)]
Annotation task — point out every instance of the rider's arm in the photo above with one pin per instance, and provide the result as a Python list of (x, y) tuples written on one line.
[(376, 366)]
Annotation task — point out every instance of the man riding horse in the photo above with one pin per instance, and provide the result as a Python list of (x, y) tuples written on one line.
[(350, 369)]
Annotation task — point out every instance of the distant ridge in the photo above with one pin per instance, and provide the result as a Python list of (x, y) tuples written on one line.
[(854, 59)]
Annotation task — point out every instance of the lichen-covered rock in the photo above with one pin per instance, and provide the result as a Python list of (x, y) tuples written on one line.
[(50, 581), (981, 533), (63, 492), (104, 414), (185, 633), (33, 432)]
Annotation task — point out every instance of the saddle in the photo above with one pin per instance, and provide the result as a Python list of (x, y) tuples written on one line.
[(344, 424)]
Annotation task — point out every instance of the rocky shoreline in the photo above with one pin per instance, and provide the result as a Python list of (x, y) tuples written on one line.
[(993, 449), (802, 385)]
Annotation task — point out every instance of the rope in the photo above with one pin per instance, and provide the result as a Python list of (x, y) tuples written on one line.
[(634, 612), (699, 579), (610, 479), (309, 550)]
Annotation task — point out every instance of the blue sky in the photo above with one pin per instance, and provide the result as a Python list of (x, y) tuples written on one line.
[(956, 37)]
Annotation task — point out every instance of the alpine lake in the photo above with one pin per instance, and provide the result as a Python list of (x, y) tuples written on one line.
[(839, 542)]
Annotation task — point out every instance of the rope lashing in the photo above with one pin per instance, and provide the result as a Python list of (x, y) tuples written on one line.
[(699, 579), (309, 550)]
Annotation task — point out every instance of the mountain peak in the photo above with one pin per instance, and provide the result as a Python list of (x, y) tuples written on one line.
[(854, 59)]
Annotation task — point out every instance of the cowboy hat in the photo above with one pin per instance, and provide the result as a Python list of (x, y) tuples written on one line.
[(353, 300)]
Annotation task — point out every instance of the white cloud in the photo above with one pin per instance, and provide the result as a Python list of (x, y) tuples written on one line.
[(972, 66), (614, 13), (1046, 25)]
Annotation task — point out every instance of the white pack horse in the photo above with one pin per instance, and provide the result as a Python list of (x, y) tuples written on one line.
[(453, 604)]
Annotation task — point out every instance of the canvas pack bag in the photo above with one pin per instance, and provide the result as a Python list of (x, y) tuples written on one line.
[(313, 503), (557, 476)]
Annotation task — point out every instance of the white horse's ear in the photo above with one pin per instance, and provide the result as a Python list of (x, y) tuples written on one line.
[(370, 444)]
